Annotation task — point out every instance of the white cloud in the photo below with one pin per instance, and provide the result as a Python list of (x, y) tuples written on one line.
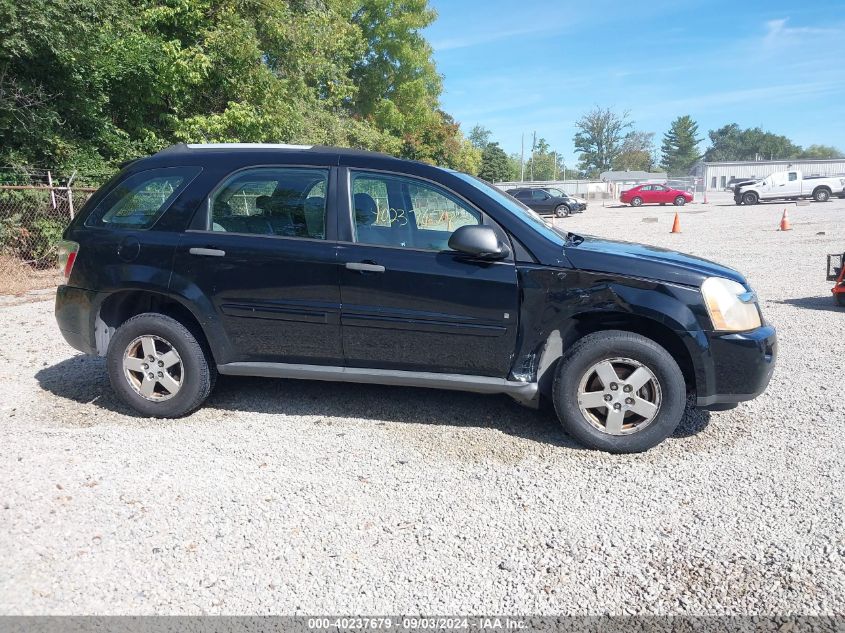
[(778, 33)]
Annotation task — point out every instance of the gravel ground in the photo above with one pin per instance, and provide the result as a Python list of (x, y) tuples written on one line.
[(300, 497)]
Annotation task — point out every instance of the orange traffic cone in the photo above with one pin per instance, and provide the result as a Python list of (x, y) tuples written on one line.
[(705, 197), (784, 222), (676, 225)]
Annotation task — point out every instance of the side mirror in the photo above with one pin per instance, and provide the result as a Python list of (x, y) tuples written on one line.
[(480, 242)]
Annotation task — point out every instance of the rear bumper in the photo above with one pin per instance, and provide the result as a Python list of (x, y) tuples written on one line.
[(75, 317), (742, 365)]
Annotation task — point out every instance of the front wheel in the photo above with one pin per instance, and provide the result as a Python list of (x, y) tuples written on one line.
[(680, 201), (750, 198), (562, 211), (636, 202), (839, 297), (619, 392), (157, 366)]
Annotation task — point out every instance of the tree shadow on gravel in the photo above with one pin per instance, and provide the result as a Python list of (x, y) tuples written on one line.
[(83, 379), (825, 304)]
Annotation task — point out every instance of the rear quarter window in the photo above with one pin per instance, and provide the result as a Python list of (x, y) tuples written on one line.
[(142, 198)]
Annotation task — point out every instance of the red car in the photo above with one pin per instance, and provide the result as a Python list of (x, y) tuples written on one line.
[(654, 194)]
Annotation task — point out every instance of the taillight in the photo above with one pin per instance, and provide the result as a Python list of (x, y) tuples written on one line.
[(67, 256)]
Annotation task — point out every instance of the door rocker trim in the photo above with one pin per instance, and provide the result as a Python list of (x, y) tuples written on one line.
[(523, 392)]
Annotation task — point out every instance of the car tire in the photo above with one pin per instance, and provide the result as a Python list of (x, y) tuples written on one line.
[(821, 195), (577, 374), (839, 297), (175, 389), (750, 198), (636, 201), (562, 211), (680, 201)]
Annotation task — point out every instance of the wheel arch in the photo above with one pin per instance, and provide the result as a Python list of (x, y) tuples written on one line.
[(117, 307), (822, 187), (582, 324)]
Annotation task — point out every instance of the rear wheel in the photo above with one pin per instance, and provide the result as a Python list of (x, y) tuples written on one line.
[(619, 392), (750, 198), (562, 211), (680, 201), (157, 366), (636, 201), (821, 195)]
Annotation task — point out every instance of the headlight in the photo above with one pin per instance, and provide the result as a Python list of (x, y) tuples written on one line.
[(732, 308)]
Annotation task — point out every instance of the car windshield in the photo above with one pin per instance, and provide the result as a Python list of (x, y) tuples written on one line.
[(514, 206)]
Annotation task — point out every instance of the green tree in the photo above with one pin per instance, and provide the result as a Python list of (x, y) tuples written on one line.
[(438, 140), (733, 143), (821, 151), (495, 166), (544, 163), (680, 146), (515, 166), (599, 139), (636, 152), (479, 136), (90, 83)]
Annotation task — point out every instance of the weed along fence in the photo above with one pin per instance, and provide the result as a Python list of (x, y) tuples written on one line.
[(32, 220)]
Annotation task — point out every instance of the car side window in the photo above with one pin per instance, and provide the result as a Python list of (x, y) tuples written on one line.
[(793, 176), (405, 212), (538, 194), (275, 201), (138, 201)]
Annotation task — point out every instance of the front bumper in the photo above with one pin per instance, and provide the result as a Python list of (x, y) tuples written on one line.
[(741, 365)]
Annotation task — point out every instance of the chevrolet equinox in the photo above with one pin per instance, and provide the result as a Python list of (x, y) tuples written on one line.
[(342, 265)]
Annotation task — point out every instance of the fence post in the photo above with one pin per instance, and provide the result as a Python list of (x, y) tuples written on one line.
[(52, 193), (70, 193)]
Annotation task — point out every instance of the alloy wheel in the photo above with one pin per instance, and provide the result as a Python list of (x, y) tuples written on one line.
[(153, 368), (619, 396)]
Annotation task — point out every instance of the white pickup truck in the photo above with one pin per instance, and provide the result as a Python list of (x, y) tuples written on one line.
[(789, 185)]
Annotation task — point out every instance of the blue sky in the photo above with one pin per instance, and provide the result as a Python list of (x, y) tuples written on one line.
[(539, 64)]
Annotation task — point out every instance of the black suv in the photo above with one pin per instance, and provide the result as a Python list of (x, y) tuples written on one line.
[(547, 201), (332, 264)]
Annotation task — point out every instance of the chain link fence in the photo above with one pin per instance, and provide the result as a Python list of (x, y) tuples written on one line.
[(35, 209), (589, 189)]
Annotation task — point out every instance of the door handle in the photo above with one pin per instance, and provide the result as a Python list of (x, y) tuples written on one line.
[(208, 252), (364, 267)]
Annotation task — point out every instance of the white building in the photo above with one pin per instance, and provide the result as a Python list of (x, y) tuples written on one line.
[(716, 176)]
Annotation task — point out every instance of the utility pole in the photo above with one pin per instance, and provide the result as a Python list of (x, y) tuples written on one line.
[(554, 163), (533, 147)]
